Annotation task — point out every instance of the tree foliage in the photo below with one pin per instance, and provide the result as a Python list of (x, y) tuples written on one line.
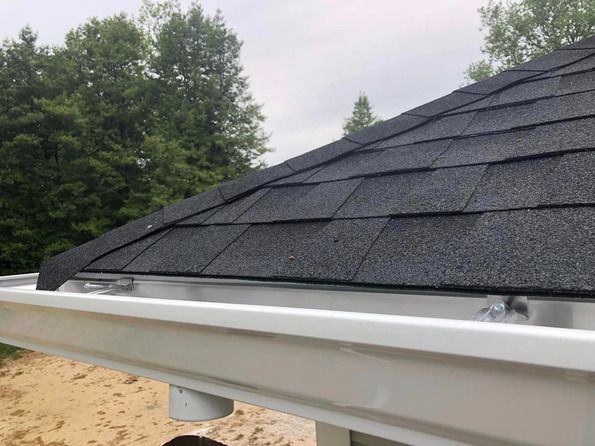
[(361, 117), (123, 118), (521, 30)]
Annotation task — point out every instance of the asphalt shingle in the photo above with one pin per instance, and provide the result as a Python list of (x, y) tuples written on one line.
[(582, 65), (446, 103), (538, 112), (482, 149), (57, 270), (490, 188), (474, 106), (322, 155), (185, 250), (439, 191), (229, 212), (497, 82), (350, 166), (573, 181), (527, 91), (513, 185), (297, 178), (443, 127), (199, 218), (385, 129), (536, 250), (555, 59), (130, 232), (329, 251), (409, 157), (575, 83), (586, 43), (550, 138), (300, 202), (244, 184), (192, 205), (415, 251), (117, 260)]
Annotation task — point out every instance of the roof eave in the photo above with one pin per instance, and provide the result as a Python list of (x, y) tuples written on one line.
[(435, 380)]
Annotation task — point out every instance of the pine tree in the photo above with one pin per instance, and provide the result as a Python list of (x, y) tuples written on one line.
[(115, 123), (361, 117)]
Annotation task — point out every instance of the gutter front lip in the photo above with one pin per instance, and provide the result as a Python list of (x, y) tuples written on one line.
[(560, 348)]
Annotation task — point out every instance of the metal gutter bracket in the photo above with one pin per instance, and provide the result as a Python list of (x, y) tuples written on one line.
[(124, 285), (504, 309)]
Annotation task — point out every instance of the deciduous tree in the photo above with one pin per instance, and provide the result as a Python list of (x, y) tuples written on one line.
[(520, 30)]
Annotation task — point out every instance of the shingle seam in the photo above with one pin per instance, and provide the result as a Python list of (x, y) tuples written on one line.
[(471, 94), (248, 225), (427, 120), (574, 73), (249, 191), (559, 66), (161, 227), (519, 158), (410, 215), (483, 174), (350, 194), (450, 110), (365, 256), (529, 126), (165, 232), (323, 163), (574, 49), (314, 170), (433, 167), (507, 86), (497, 132), (525, 102), (257, 201)]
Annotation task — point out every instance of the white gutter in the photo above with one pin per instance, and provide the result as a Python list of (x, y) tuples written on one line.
[(425, 381)]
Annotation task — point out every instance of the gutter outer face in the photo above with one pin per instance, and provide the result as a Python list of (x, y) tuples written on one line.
[(417, 380)]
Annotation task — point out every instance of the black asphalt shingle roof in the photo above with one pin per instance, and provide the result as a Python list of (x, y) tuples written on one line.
[(490, 188)]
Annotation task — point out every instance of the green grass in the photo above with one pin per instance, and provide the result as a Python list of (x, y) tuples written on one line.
[(9, 351)]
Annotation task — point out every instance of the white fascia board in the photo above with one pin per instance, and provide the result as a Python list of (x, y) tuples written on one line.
[(426, 381)]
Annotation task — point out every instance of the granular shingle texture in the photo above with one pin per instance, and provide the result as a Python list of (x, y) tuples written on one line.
[(415, 251), (254, 180), (390, 127), (533, 250), (513, 185), (316, 251), (177, 251), (300, 202), (497, 82), (449, 102), (573, 181), (117, 260), (438, 128), (488, 189), (430, 192), (555, 59)]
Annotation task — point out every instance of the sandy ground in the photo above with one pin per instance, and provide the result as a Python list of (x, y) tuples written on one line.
[(50, 401)]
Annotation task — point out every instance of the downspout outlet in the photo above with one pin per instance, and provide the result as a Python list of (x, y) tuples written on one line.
[(191, 405)]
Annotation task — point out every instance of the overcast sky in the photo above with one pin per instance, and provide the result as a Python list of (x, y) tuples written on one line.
[(308, 60)]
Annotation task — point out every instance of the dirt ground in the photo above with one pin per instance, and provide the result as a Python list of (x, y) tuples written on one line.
[(50, 401)]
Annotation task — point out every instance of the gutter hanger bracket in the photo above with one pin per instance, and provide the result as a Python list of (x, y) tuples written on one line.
[(124, 285), (504, 309)]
